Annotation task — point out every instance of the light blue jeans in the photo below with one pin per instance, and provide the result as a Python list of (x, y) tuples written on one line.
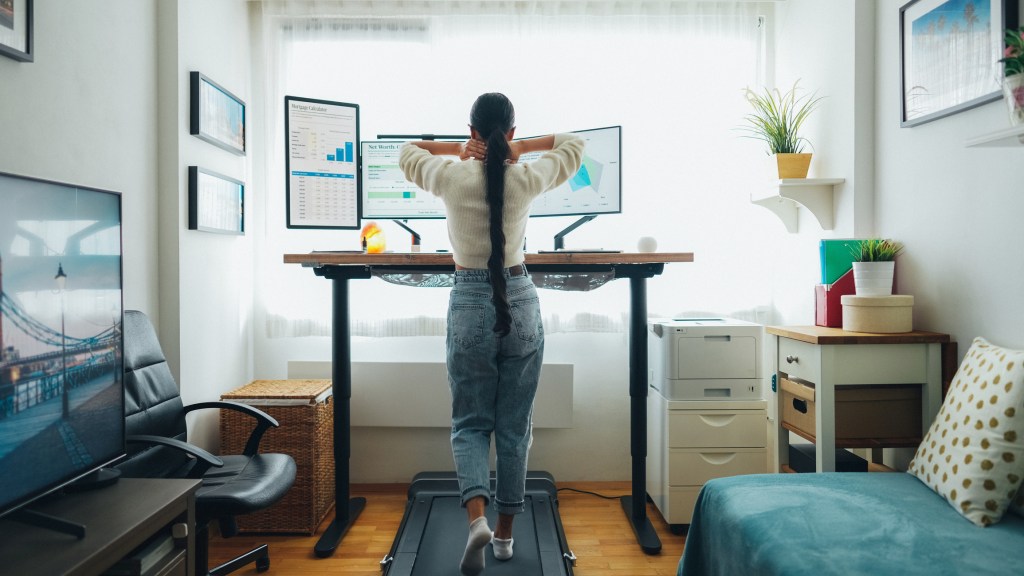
[(493, 382)]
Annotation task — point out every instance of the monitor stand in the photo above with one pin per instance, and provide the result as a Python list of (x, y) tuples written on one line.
[(100, 478), (560, 237), (415, 237)]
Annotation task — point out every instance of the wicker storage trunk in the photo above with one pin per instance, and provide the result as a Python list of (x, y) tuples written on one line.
[(304, 410)]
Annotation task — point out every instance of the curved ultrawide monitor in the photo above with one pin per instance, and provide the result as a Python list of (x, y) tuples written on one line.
[(595, 189), (61, 370)]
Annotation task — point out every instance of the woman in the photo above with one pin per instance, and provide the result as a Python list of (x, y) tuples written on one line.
[(495, 341)]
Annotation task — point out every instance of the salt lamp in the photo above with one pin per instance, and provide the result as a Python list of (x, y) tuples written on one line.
[(372, 238)]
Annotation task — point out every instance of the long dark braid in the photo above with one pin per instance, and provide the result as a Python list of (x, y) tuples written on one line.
[(493, 116)]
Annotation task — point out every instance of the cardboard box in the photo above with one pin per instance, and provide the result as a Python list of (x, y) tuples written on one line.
[(878, 314), (803, 459), (863, 413), (828, 308)]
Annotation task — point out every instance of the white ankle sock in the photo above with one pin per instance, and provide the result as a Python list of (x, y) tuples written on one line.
[(473, 559), (502, 548)]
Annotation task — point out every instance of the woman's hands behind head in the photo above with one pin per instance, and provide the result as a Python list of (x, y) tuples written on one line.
[(473, 149)]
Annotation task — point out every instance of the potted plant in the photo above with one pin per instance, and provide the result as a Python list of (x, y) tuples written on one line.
[(776, 120), (874, 266), (1013, 74)]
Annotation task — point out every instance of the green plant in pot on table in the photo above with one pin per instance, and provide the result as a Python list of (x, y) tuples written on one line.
[(776, 120), (874, 266)]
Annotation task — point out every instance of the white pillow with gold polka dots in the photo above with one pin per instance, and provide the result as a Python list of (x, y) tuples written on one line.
[(1017, 506), (973, 454)]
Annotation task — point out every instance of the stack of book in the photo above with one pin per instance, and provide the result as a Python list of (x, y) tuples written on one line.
[(156, 557)]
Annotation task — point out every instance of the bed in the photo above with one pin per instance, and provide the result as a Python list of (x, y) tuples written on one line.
[(841, 523)]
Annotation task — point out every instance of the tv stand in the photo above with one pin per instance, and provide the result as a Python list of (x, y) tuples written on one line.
[(560, 237), (119, 518), (48, 522)]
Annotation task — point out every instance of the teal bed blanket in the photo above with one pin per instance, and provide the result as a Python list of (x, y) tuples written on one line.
[(840, 524)]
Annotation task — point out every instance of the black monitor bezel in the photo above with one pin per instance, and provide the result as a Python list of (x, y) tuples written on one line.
[(288, 170)]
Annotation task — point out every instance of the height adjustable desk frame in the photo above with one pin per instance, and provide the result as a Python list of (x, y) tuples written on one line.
[(342, 267)]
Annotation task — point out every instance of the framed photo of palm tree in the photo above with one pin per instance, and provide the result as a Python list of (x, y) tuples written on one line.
[(948, 55)]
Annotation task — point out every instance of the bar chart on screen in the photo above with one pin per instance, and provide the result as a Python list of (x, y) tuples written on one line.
[(322, 141)]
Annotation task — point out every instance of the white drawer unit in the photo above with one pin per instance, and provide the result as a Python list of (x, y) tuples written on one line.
[(692, 441)]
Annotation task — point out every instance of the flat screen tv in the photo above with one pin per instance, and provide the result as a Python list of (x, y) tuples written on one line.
[(61, 368)]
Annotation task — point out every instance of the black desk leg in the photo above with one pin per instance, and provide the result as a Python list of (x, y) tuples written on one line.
[(635, 506), (346, 509)]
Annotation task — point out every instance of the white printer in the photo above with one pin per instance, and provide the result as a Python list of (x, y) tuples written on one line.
[(705, 358)]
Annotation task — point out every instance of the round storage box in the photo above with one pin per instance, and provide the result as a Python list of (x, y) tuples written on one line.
[(878, 314)]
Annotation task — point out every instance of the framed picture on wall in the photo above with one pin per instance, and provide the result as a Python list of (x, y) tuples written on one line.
[(948, 55), (16, 29), (216, 203), (216, 115)]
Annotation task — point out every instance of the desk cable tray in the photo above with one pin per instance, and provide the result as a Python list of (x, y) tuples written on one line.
[(574, 282)]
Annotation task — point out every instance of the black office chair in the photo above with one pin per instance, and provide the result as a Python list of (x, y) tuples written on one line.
[(155, 424)]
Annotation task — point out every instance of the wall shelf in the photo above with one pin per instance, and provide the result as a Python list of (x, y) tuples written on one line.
[(813, 194), (1013, 136)]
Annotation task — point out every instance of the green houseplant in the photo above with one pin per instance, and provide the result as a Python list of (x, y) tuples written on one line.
[(876, 250), (1013, 74), (874, 266), (776, 120)]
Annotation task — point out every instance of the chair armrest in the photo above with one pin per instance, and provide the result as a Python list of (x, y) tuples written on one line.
[(263, 420), (204, 460)]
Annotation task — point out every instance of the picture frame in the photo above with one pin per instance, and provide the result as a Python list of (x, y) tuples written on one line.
[(949, 52), (16, 29), (216, 115), (216, 203)]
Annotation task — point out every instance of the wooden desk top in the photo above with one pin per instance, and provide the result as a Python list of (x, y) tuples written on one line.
[(824, 335), (445, 258)]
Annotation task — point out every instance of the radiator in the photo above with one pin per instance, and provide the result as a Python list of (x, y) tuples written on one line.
[(415, 394)]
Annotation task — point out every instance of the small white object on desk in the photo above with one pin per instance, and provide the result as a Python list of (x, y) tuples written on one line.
[(646, 244)]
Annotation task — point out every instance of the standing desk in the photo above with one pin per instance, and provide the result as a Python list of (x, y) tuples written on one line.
[(340, 267)]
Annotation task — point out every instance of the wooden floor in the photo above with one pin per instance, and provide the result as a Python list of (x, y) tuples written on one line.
[(597, 531)]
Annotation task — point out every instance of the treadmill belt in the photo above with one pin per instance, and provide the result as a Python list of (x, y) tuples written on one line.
[(444, 541), (432, 537)]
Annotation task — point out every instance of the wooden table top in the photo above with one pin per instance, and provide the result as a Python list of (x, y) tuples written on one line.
[(824, 335), (445, 258)]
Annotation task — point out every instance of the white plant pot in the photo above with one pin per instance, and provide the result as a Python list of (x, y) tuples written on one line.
[(1013, 93), (873, 278)]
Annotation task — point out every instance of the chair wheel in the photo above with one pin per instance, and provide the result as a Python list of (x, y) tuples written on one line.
[(262, 564)]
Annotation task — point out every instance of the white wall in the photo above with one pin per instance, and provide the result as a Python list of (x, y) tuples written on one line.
[(840, 69), (105, 104), (83, 112), (957, 209), (206, 278)]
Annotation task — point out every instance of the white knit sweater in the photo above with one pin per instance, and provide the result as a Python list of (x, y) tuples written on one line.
[(461, 185)]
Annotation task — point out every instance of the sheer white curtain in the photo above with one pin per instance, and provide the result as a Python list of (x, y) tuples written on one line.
[(670, 73)]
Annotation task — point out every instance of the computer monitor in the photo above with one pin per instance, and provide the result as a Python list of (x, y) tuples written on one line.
[(321, 163), (386, 194), (597, 186), (595, 189), (61, 371)]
